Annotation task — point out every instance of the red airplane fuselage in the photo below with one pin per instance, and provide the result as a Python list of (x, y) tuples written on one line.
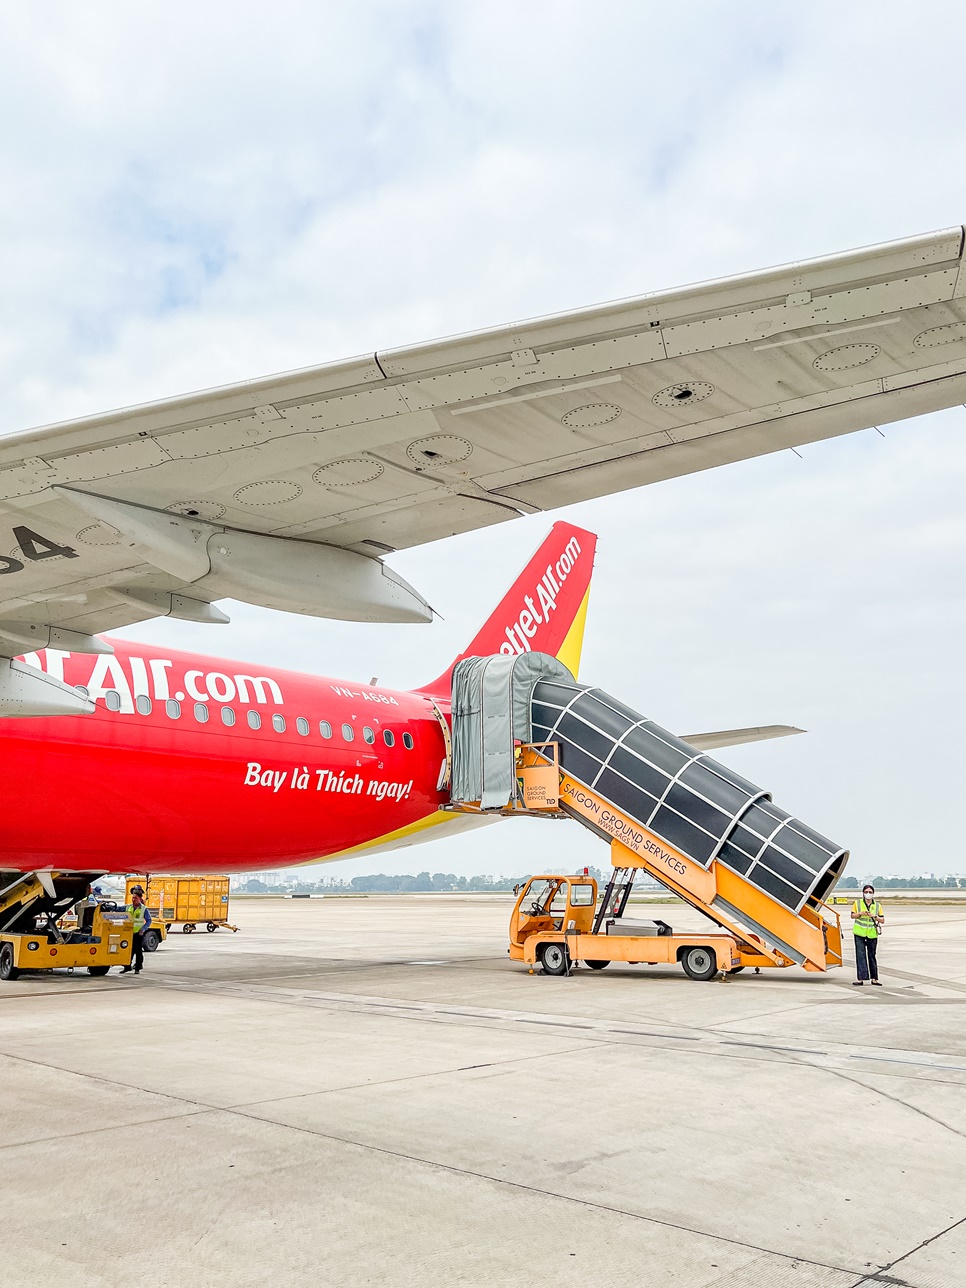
[(203, 758), (201, 764)]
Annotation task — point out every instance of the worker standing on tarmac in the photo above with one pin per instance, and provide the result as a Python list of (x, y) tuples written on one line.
[(867, 916), (142, 919)]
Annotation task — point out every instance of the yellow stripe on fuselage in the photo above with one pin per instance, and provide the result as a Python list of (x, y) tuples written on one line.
[(400, 834), (423, 824)]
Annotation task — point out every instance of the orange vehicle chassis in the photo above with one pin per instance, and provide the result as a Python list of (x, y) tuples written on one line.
[(653, 950)]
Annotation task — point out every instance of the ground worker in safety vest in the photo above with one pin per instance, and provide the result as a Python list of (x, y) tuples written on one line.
[(142, 919), (867, 920)]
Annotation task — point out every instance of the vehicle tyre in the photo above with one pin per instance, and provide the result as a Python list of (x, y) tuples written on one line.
[(98, 970), (596, 965), (736, 970), (150, 941), (7, 968), (555, 959), (186, 930), (211, 927), (699, 962)]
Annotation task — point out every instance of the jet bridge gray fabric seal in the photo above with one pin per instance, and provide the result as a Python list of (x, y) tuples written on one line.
[(491, 708)]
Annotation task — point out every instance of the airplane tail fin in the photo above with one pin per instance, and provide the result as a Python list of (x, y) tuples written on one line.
[(545, 609)]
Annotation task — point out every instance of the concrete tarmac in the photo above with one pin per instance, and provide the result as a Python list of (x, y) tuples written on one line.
[(367, 1092)]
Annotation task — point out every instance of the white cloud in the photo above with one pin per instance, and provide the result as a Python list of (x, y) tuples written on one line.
[(198, 193)]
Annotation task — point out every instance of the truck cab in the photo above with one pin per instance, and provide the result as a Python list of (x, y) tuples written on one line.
[(552, 903)]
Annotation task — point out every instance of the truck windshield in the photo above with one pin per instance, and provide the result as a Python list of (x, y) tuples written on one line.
[(539, 897)]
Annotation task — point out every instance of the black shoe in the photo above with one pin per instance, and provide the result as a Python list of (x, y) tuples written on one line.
[(856, 983), (876, 983), (125, 969), (137, 970)]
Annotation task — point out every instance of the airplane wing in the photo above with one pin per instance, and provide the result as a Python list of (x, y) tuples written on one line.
[(733, 737), (288, 491)]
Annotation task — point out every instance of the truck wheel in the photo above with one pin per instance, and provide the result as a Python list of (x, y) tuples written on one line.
[(596, 965), (7, 968), (211, 927), (98, 970), (150, 940), (186, 930), (736, 970), (699, 963), (555, 959)]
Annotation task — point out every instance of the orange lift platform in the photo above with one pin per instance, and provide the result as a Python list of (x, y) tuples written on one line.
[(665, 808), (760, 931)]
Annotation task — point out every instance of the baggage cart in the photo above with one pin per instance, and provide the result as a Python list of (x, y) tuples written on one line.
[(188, 901)]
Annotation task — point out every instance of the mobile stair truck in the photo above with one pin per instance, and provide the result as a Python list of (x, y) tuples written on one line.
[(32, 905), (528, 739)]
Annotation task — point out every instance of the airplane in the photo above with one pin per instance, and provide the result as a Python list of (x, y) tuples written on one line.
[(193, 760), (290, 491)]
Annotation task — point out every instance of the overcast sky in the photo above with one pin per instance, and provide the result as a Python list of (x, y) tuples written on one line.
[(193, 194)]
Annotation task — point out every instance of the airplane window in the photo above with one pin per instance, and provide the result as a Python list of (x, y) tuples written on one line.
[(278, 723), (368, 735), (201, 713), (408, 741), (82, 689), (143, 704), (388, 737), (173, 707), (302, 725), (228, 716), (254, 720), (325, 729), (112, 700), (348, 732)]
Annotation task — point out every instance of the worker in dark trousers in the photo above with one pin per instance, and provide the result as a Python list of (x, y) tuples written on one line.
[(867, 920), (142, 919)]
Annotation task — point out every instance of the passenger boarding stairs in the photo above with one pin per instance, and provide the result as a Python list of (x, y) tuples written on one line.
[(528, 739)]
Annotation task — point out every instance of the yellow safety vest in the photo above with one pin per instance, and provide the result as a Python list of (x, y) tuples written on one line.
[(137, 914), (865, 927)]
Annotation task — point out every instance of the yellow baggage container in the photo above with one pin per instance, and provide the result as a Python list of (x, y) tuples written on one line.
[(186, 901)]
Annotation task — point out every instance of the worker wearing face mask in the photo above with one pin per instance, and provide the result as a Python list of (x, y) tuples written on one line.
[(867, 921)]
